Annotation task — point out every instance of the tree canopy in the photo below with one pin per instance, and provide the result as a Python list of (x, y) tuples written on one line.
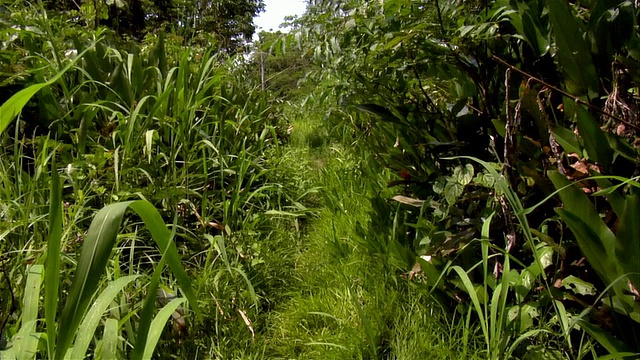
[(230, 22)]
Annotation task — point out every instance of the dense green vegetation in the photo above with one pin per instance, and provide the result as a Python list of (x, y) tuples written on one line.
[(393, 179)]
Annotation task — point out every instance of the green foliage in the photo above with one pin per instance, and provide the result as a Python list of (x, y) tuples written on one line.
[(611, 254), (282, 67), (522, 87), (393, 179), (153, 126), (76, 320)]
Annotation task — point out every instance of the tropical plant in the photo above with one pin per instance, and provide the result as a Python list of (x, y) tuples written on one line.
[(77, 321), (510, 82)]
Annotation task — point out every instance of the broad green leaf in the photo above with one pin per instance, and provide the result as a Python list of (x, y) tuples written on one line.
[(12, 107), (52, 274), (622, 147), (121, 85), (520, 317), (534, 35), (95, 253), (595, 239), (452, 191), (500, 125), (466, 174), (91, 321), (573, 52), (611, 26), (109, 348), (524, 284), (158, 324), (31, 297), (610, 191), (595, 141), (628, 236), (567, 139), (591, 244), (25, 344), (578, 286), (609, 342)]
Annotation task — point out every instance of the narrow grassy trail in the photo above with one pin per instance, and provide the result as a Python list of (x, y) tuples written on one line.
[(348, 300)]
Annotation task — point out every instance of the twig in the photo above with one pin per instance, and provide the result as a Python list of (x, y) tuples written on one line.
[(510, 148), (417, 75), (564, 93)]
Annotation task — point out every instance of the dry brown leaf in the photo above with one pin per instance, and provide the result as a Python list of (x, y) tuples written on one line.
[(415, 270), (408, 201), (247, 322)]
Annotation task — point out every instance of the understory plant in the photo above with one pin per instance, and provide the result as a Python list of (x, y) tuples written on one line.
[(526, 88), (70, 334), (170, 132)]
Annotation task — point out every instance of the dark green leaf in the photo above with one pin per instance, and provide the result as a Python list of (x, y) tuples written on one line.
[(573, 53), (609, 342), (595, 141), (567, 139), (382, 112), (628, 235), (578, 286), (594, 238), (622, 147), (52, 272), (95, 253)]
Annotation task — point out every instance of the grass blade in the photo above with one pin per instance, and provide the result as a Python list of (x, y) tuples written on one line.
[(95, 254), (52, 273), (158, 325), (26, 340), (90, 323), (474, 299), (109, 348), (162, 236), (146, 314), (12, 107), (32, 294)]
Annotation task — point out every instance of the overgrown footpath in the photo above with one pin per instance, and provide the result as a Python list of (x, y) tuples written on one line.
[(324, 283), (461, 181), (347, 299)]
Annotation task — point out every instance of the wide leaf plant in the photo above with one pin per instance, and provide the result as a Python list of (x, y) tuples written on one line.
[(612, 252), (69, 335)]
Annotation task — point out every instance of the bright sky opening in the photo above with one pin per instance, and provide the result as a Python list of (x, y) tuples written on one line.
[(275, 12)]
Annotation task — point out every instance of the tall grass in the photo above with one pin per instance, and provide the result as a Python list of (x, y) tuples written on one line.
[(134, 131)]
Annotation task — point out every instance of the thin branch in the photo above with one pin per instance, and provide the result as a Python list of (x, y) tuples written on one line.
[(564, 93), (417, 75)]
